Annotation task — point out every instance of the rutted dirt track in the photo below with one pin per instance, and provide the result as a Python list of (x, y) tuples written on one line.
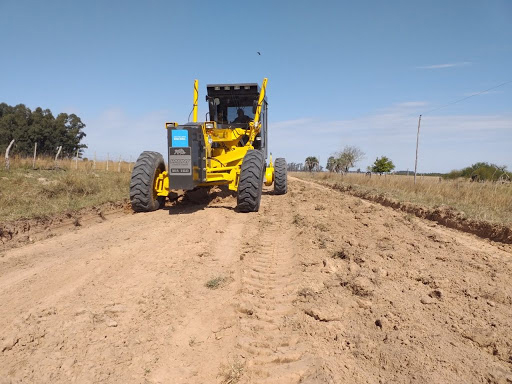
[(317, 287)]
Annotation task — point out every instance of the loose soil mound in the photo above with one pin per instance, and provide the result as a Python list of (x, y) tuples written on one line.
[(24, 231), (446, 216)]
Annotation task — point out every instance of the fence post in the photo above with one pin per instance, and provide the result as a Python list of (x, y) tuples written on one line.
[(94, 161), (119, 165), (108, 158), (7, 163), (76, 161), (35, 154), (130, 164), (57, 155)]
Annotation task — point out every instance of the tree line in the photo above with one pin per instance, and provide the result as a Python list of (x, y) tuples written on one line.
[(482, 171), (40, 126), (342, 161)]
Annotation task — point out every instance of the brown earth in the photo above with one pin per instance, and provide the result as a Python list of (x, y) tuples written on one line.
[(444, 215), (24, 231), (317, 287)]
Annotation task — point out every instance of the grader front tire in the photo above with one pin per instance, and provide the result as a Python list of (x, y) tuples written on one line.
[(280, 177), (251, 181), (142, 185)]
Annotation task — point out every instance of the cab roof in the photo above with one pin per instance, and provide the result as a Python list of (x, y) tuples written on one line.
[(251, 90), (245, 86)]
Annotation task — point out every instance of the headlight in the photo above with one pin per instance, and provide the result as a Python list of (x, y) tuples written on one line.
[(210, 140), (209, 125)]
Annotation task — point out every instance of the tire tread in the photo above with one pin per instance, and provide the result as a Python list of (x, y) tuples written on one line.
[(142, 179), (280, 176), (251, 181)]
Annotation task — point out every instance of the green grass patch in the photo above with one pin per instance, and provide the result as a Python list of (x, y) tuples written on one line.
[(215, 282)]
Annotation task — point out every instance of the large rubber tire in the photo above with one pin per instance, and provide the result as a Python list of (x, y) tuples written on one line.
[(251, 181), (142, 185), (280, 176)]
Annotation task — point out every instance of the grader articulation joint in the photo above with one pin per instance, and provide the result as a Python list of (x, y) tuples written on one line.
[(230, 149)]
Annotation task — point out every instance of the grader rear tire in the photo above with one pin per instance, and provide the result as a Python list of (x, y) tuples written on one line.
[(142, 185), (251, 181), (280, 177)]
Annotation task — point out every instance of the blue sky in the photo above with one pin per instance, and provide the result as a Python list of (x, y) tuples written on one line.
[(340, 73)]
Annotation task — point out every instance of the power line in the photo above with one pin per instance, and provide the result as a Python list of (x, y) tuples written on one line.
[(443, 106), (467, 97)]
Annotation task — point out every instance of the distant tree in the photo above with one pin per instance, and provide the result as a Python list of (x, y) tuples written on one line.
[(40, 126), (311, 163), (481, 171), (295, 167), (331, 164), (382, 165), (349, 156), (344, 160)]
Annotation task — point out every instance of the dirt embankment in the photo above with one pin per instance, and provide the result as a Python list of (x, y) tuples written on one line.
[(317, 287), (24, 231), (443, 215)]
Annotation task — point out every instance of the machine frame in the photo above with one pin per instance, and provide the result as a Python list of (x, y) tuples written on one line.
[(222, 150)]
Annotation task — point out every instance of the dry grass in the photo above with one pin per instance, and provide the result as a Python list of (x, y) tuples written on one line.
[(27, 193), (488, 201), (231, 373)]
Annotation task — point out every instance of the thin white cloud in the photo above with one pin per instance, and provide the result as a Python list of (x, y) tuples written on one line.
[(481, 93), (411, 104), (446, 65), (116, 133), (446, 142)]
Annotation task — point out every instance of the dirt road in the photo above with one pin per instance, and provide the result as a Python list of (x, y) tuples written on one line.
[(317, 287)]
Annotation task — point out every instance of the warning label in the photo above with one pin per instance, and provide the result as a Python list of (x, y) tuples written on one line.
[(180, 161)]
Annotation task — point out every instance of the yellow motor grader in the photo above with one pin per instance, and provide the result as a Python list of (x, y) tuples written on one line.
[(229, 149)]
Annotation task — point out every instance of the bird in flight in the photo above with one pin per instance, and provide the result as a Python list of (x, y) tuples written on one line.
[(258, 53)]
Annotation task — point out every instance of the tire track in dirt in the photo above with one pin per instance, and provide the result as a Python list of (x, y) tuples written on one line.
[(317, 287), (269, 283)]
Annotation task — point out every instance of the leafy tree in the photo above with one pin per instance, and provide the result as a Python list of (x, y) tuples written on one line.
[(349, 156), (344, 160), (481, 171), (311, 163), (40, 126), (382, 165), (331, 164)]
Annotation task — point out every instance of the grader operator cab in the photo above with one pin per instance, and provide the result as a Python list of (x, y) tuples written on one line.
[(229, 149)]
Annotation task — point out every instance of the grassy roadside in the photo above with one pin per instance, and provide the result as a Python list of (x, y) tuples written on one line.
[(489, 202), (27, 193)]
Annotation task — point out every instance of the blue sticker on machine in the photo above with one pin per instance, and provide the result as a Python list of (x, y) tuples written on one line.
[(179, 138)]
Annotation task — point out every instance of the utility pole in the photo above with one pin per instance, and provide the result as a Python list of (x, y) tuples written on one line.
[(35, 154), (417, 142), (59, 149), (7, 162)]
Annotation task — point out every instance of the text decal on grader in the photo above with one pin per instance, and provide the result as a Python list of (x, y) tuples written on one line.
[(180, 161), (230, 149), (179, 138)]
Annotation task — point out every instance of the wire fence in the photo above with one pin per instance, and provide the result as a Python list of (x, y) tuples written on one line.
[(98, 161), (104, 163)]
